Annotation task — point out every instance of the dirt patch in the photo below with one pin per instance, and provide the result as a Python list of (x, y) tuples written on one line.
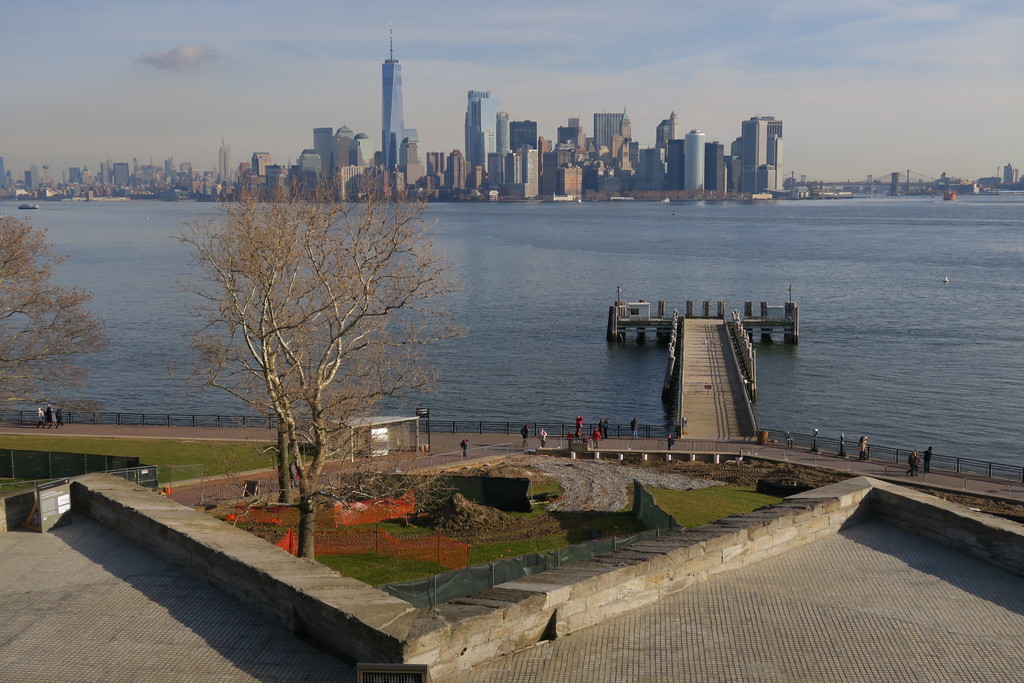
[(463, 519)]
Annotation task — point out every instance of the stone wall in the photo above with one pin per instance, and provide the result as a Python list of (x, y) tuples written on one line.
[(467, 631), (347, 617), (15, 507), (990, 539), (361, 623)]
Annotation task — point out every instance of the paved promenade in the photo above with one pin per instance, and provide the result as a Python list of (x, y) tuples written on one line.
[(83, 604), (711, 385), (442, 443)]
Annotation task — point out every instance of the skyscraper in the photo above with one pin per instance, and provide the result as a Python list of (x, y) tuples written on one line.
[(481, 121), (667, 130), (607, 126), (522, 133), (224, 174), (326, 149), (393, 127), (501, 137), (693, 161), (761, 154)]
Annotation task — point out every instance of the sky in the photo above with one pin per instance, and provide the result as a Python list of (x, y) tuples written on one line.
[(864, 87)]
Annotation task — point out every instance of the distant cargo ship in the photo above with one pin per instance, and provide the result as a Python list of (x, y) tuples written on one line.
[(28, 206), (949, 196)]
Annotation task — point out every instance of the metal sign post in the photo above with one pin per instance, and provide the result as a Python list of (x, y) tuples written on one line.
[(425, 412)]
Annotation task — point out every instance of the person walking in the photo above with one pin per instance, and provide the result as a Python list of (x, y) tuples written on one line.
[(525, 431), (49, 416), (671, 442), (914, 461), (596, 435), (543, 437), (789, 440), (927, 460), (603, 424), (60, 418), (579, 425), (633, 427), (464, 445), (862, 448), (40, 417)]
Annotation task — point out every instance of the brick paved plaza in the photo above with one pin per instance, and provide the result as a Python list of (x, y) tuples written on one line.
[(873, 603), (83, 604)]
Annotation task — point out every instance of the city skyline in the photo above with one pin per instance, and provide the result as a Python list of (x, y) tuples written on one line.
[(864, 89)]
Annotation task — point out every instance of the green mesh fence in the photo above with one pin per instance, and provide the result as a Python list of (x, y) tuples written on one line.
[(462, 582), (53, 465)]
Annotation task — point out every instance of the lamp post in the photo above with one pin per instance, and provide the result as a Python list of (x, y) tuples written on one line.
[(425, 412), (814, 441)]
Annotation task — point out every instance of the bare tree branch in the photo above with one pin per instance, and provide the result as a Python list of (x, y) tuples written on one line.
[(313, 311)]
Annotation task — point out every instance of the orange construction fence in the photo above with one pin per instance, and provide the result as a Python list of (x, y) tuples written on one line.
[(435, 548), (340, 514)]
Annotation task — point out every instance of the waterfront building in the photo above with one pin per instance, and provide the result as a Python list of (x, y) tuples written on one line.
[(324, 146), (1011, 175), (714, 167), (608, 125), (667, 130), (650, 170), (343, 148), (436, 164), (523, 133), (224, 163), (393, 120), (761, 154), (571, 134), (260, 161), (502, 132), (693, 161), (481, 122), (409, 157), (570, 180), (674, 153), (456, 171), (362, 150), (121, 176)]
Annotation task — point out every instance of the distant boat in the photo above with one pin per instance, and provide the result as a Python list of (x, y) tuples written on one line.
[(28, 206), (945, 279), (949, 196), (666, 200)]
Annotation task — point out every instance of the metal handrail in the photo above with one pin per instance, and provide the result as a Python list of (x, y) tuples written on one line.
[(951, 463)]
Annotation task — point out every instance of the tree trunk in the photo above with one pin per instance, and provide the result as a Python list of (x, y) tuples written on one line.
[(307, 524), (284, 477)]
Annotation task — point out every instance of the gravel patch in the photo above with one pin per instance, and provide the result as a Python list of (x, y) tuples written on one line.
[(602, 485)]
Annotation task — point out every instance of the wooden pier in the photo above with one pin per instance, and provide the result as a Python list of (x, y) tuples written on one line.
[(711, 370)]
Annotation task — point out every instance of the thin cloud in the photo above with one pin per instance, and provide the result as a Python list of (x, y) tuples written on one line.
[(181, 58)]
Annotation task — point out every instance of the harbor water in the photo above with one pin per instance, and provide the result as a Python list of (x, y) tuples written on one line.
[(888, 347)]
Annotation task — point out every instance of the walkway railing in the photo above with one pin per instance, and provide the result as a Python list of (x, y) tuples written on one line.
[(985, 468), (30, 417)]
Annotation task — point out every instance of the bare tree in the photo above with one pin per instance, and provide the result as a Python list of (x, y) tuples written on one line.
[(44, 328), (313, 312)]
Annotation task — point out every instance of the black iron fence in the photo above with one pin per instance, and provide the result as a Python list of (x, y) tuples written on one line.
[(554, 429), (31, 417), (939, 461)]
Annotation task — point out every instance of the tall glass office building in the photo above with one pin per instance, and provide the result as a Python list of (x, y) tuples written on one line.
[(481, 121), (393, 121)]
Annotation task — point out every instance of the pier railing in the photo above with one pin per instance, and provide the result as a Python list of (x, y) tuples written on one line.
[(947, 463)]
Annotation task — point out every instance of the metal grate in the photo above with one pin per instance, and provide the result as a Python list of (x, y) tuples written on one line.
[(392, 673)]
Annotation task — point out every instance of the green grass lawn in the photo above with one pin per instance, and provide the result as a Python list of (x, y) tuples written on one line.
[(378, 570), (700, 506), (217, 457)]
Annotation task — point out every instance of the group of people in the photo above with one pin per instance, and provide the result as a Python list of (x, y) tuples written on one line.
[(599, 432), (48, 416), (915, 460)]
